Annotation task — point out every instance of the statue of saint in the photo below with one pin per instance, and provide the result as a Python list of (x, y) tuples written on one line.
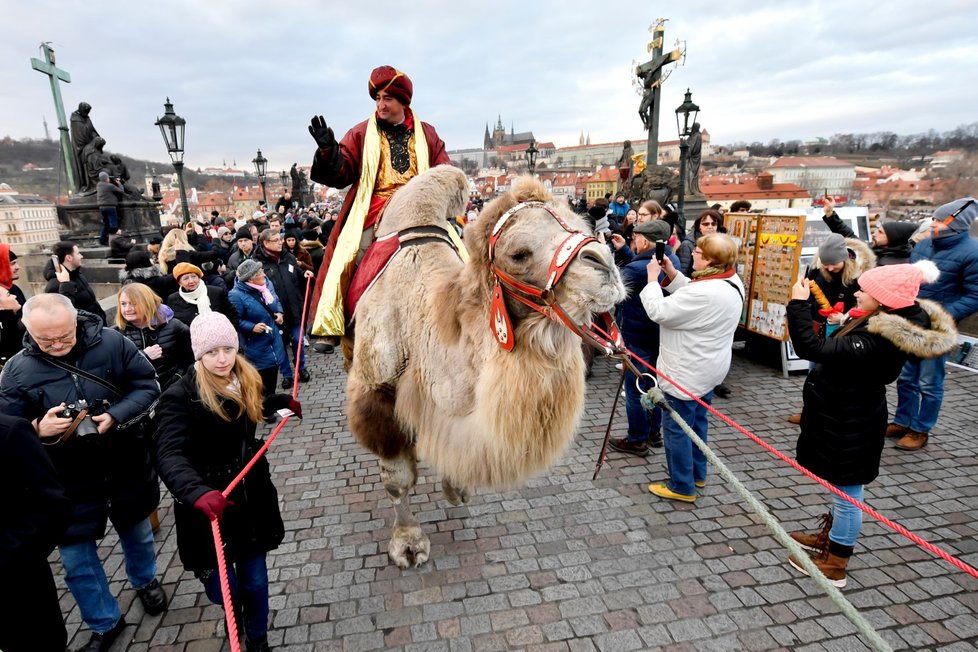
[(121, 172), (625, 162), (95, 161), (693, 161), (82, 133), (296, 182)]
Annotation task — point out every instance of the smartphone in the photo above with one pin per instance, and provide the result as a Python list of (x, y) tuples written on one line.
[(57, 265), (804, 274), (660, 250)]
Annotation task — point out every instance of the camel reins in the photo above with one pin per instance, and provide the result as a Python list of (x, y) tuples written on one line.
[(543, 300)]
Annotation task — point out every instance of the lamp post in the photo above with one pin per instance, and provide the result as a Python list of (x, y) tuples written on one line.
[(260, 165), (531, 156), (684, 125), (172, 127)]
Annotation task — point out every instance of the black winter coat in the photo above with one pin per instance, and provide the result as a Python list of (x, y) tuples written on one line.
[(197, 451), (105, 476), (11, 329), (289, 283), (843, 420), (186, 311), (174, 338), (152, 277), (77, 289)]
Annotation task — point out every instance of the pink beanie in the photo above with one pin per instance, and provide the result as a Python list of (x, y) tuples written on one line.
[(896, 286), (209, 331)]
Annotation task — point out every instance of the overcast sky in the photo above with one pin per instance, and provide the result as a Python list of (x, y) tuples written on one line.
[(249, 74)]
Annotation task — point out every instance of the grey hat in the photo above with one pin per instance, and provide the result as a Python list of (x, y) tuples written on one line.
[(654, 230), (224, 230), (966, 209), (833, 250), (103, 176), (248, 269)]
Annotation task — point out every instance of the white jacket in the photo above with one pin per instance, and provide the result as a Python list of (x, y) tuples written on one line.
[(696, 328)]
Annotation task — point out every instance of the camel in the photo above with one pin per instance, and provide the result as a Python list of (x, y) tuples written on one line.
[(428, 379)]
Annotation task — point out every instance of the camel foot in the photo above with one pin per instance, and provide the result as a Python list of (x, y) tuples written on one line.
[(454, 495), (408, 546)]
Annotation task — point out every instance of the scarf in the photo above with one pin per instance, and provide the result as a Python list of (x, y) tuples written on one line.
[(274, 256), (266, 294), (713, 272), (330, 318), (198, 298)]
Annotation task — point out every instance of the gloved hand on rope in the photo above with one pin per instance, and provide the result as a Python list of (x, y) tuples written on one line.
[(212, 504), (276, 402)]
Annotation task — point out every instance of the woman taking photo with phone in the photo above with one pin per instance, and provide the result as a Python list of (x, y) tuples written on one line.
[(208, 421)]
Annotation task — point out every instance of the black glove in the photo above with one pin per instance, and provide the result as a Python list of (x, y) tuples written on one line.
[(321, 133)]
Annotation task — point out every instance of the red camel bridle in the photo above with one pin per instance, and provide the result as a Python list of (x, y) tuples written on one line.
[(543, 300)]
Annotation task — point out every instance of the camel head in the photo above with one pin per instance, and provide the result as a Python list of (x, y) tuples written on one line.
[(525, 249)]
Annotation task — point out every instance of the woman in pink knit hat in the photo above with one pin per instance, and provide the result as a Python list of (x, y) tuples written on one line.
[(843, 421)]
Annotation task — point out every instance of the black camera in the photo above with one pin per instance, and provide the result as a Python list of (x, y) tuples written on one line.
[(86, 427)]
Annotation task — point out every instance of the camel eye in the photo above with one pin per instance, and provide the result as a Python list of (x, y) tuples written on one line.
[(521, 255)]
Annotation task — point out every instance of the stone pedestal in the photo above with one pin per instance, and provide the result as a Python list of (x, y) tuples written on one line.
[(81, 221), (693, 205)]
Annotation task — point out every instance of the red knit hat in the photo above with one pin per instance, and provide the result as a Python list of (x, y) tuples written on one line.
[(896, 286), (394, 82), (6, 273)]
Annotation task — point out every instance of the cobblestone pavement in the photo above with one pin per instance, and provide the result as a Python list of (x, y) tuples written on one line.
[(570, 564)]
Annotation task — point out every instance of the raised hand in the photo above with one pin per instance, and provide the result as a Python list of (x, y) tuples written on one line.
[(321, 133)]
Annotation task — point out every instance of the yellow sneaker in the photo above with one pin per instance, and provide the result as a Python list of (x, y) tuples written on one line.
[(662, 491)]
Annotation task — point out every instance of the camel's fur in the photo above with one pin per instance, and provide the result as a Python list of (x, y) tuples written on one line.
[(480, 415)]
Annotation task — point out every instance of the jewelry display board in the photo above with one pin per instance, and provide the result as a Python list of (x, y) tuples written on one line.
[(743, 228)]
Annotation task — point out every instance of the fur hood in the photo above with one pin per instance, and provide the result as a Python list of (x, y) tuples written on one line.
[(141, 273), (311, 245), (924, 343), (864, 259)]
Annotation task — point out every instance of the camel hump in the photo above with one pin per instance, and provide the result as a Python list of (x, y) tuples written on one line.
[(429, 199)]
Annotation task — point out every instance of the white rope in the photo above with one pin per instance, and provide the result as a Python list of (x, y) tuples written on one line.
[(656, 397)]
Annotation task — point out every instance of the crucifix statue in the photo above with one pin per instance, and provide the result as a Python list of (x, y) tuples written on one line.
[(55, 75), (650, 76)]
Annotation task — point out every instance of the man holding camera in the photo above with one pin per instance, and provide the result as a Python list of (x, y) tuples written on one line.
[(640, 333), (86, 389)]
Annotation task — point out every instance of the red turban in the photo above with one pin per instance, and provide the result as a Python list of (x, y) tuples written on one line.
[(394, 82)]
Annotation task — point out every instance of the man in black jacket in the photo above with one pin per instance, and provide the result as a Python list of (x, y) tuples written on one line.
[(70, 281), (290, 282), (85, 389), (33, 516), (890, 241)]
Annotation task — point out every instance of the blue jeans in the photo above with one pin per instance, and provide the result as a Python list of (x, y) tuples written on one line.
[(847, 519), (686, 463), (86, 579), (641, 424), (248, 581), (110, 222), (296, 343), (920, 391)]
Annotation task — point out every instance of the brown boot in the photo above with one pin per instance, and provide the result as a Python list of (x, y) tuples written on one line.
[(896, 430), (815, 541), (832, 563), (912, 441), (795, 419)]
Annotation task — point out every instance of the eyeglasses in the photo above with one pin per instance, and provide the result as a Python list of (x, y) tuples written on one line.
[(644, 213), (705, 223), (63, 339)]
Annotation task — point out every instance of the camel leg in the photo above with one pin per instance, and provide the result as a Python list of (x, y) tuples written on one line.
[(408, 545), (454, 495), (372, 421)]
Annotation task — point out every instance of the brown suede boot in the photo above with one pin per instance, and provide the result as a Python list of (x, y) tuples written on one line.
[(832, 563), (815, 541), (912, 441), (896, 430)]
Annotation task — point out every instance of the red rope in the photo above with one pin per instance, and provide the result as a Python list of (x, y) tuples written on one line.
[(215, 526), (896, 527)]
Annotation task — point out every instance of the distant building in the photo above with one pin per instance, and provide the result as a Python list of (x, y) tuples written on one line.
[(600, 183), (499, 137), (27, 222), (591, 155), (816, 174), (761, 191)]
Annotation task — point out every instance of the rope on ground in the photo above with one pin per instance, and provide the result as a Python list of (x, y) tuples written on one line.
[(229, 615), (656, 397)]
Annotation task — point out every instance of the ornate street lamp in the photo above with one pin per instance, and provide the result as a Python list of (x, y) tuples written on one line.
[(261, 163), (684, 124), (531, 155), (172, 127), (155, 187)]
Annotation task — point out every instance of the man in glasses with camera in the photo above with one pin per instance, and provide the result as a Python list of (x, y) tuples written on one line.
[(89, 393)]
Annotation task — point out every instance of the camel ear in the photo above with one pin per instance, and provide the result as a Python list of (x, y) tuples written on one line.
[(499, 323)]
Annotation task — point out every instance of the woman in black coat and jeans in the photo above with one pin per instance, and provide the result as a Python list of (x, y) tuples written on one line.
[(843, 421), (206, 436)]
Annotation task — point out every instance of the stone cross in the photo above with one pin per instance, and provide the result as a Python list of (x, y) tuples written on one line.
[(650, 76), (56, 74)]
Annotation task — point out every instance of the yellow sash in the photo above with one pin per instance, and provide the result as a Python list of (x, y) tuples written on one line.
[(330, 318)]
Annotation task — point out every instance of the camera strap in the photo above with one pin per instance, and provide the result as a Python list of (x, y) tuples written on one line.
[(75, 371), (82, 414)]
